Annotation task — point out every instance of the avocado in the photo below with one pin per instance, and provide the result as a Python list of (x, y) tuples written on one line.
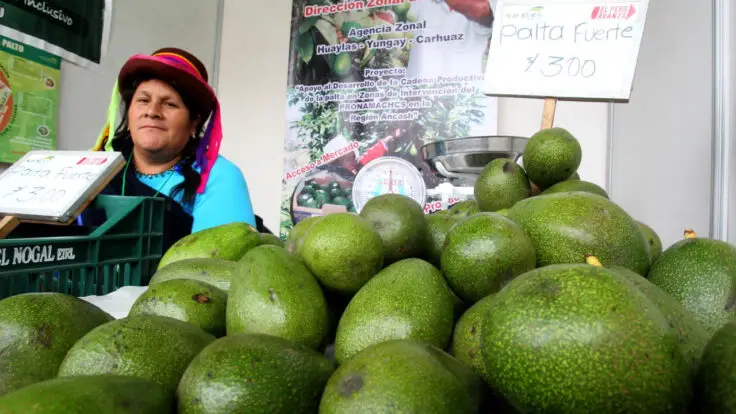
[(216, 272), (464, 208), (465, 345), (550, 156), (296, 235), (192, 301), (565, 227), (655, 244), (692, 337), (36, 331), (268, 238), (501, 184), (701, 274), (98, 394), (405, 376), (341, 65), (437, 227), (401, 223), (278, 296), (715, 384), (254, 373), (576, 185), (483, 252), (576, 338), (504, 212), (407, 299), (343, 251), (466, 348), (157, 348), (226, 241)]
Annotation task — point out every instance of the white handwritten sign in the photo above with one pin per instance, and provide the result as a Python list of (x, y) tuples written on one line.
[(565, 48), (52, 185)]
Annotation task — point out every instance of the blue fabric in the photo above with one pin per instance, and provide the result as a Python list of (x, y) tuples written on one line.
[(225, 199)]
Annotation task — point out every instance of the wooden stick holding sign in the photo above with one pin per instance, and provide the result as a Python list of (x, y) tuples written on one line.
[(565, 49), (53, 187)]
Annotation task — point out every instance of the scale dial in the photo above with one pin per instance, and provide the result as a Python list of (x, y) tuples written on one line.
[(388, 175)]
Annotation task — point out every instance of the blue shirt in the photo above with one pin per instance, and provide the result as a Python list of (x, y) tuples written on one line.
[(225, 198)]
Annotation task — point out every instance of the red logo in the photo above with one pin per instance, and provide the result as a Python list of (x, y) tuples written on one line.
[(92, 161), (613, 12)]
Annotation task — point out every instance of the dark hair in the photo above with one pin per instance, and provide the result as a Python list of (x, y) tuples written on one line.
[(123, 142)]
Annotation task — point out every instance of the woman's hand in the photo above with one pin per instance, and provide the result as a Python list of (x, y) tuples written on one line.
[(476, 10)]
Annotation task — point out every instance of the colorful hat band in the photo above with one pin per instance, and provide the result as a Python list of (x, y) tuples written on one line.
[(208, 148)]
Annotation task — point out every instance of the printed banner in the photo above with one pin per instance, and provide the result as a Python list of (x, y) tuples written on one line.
[(370, 83), (29, 92), (76, 30)]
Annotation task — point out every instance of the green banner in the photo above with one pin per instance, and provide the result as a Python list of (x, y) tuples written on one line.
[(76, 30), (29, 88)]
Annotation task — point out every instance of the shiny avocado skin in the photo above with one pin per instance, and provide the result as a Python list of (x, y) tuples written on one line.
[(36, 331), (715, 384), (254, 373), (701, 274), (576, 332), (98, 394), (565, 227)]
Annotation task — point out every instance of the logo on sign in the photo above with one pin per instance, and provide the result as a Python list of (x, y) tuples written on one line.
[(41, 160), (531, 14), (92, 161), (613, 12)]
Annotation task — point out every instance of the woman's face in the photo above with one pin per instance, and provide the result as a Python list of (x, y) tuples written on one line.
[(158, 120)]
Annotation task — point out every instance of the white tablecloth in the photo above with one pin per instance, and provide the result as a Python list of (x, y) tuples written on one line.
[(119, 302)]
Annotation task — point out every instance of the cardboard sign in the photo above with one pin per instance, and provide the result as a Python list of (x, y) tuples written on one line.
[(54, 185), (565, 48)]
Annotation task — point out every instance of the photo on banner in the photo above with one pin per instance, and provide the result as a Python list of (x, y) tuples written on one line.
[(29, 96), (372, 80)]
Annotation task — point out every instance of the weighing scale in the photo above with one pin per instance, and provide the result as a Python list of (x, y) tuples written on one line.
[(459, 161), (388, 175)]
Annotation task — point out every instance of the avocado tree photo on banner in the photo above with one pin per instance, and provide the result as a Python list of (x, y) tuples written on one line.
[(369, 84), (76, 30)]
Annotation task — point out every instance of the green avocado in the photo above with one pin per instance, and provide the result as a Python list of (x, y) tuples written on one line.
[(483, 252), (254, 373), (576, 185), (36, 331), (701, 274), (501, 184), (227, 241), (550, 156), (278, 296), (217, 272), (272, 239), (99, 394), (655, 244), (584, 328), (401, 223), (343, 251), (464, 208), (437, 227), (715, 384), (296, 235), (157, 348), (401, 375), (565, 227), (408, 299), (192, 301)]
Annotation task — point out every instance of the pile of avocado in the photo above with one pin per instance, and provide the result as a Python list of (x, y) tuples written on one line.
[(519, 301), (314, 195)]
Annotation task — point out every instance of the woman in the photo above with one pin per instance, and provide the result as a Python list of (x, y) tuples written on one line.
[(166, 101)]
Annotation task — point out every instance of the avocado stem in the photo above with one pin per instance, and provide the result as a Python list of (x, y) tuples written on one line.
[(690, 234), (592, 260)]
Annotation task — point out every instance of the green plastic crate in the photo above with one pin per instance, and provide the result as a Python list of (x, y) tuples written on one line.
[(123, 251)]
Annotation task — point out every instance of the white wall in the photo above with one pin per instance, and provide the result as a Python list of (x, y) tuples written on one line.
[(252, 92), (662, 146)]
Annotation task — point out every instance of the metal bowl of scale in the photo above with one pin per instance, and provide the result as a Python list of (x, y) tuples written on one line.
[(468, 156)]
